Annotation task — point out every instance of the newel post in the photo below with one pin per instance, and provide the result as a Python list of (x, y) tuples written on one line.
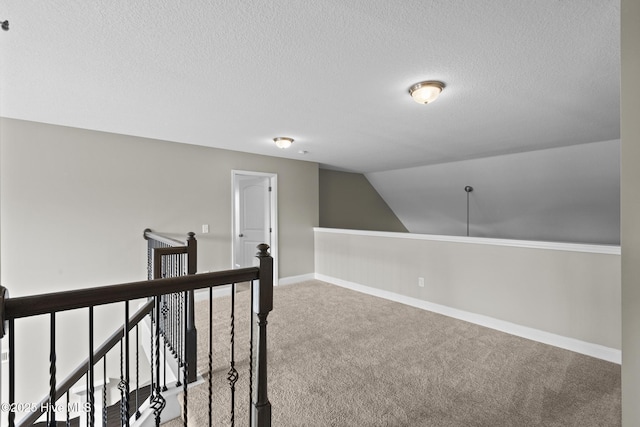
[(191, 337), (4, 294), (262, 305), (7, 326)]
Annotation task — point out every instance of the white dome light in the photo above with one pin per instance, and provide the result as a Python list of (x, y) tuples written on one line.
[(283, 142), (426, 92)]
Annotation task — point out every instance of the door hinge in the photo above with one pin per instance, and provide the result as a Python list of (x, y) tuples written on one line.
[(269, 188), (270, 230)]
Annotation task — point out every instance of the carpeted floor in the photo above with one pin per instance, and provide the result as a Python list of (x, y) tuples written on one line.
[(342, 358)]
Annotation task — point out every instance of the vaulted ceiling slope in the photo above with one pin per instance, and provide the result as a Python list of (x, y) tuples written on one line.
[(566, 194), (331, 74)]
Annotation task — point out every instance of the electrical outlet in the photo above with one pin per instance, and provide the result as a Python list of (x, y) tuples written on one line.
[(421, 282), (205, 228)]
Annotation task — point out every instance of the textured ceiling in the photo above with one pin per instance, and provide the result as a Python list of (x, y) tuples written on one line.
[(332, 74)]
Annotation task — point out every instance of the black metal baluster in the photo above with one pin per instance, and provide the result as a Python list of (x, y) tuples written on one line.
[(175, 326), (169, 326), (52, 372), (178, 340), (68, 423), (104, 391), (86, 386), (91, 377), (121, 384), (185, 379), (251, 354), (232, 375), (180, 272), (174, 273), (12, 373), (152, 352), (167, 300), (165, 309), (159, 401), (210, 356), (152, 389), (177, 313), (125, 392), (181, 309), (137, 372), (150, 246)]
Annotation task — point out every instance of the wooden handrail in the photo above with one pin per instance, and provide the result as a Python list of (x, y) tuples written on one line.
[(83, 367), (15, 308), (149, 234)]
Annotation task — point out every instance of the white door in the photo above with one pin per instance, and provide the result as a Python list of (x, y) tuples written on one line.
[(252, 217)]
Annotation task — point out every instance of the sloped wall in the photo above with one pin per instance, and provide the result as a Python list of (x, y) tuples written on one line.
[(568, 194), (348, 200)]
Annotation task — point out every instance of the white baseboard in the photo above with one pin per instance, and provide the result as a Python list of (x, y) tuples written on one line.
[(295, 279), (582, 347), (220, 291)]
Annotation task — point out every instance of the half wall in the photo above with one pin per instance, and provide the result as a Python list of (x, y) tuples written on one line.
[(561, 294)]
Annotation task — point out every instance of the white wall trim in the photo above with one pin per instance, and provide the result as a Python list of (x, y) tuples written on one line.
[(531, 244), (589, 349), (225, 290), (296, 279), (218, 291)]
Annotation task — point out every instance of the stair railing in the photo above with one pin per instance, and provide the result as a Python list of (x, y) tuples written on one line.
[(84, 370), (51, 304), (167, 257)]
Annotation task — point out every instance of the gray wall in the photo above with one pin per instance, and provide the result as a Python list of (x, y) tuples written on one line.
[(347, 200), (90, 195), (630, 135), (569, 194)]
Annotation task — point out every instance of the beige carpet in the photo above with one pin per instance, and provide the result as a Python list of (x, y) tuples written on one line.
[(341, 358)]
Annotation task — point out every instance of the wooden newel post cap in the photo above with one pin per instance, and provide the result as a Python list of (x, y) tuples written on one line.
[(263, 296), (191, 235), (263, 250)]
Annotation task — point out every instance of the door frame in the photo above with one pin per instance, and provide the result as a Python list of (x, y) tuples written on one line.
[(273, 215)]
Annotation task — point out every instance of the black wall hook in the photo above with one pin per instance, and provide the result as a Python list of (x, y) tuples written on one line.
[(5, 25)]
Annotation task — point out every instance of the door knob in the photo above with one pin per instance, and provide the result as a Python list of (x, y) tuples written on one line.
[(241, 235)]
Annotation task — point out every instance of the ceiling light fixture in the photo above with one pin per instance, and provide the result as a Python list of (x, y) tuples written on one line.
[(283, 142), (426, 92)]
